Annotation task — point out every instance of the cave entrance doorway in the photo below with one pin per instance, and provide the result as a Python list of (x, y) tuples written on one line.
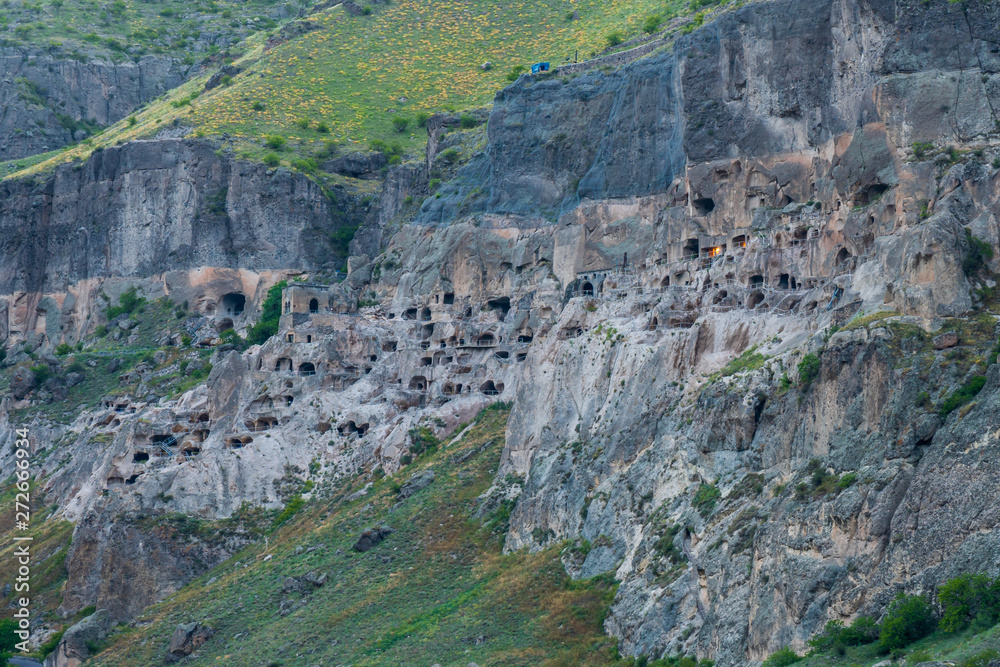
[(233, 304)]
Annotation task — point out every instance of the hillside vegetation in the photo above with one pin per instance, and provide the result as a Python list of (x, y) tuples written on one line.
[(347, 75), (122, 29), (438, 589)]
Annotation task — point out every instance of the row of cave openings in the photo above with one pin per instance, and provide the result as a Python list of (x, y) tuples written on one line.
[(285, 364), (163, 446), (489, 388), (442, 359), (499, 305), (785, 281), (702, 206)]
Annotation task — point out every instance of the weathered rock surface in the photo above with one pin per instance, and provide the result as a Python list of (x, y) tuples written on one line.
[(416, 483), (371, 538), (621, 240), (74, 647), (186, 639), (163, 205), (124, 568), (39, 87)]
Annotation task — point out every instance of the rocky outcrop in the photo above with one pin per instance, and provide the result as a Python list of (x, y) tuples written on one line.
[(725, 293), (371, 538), (149, 207), (186, 639), (124, 565), (75, 646), (742, 87), (50, 100), (415, 483)]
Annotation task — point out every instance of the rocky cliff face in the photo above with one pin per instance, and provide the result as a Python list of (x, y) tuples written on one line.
[(728, 289), (168, 214), (50, 101), (155, 206)]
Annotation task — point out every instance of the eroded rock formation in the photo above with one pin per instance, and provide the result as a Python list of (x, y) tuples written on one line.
[(753, 194)]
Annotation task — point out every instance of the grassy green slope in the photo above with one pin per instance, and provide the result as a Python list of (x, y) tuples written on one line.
[(412, 56), (83, 29), (426, 594), (348, 80), (964, 649)]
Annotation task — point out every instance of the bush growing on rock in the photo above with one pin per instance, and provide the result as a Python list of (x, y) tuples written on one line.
[(864, 630), (515, 72), (676, 661), (705, 498), (968, 598), (230, 337), (808, 369), (267, 325), (305, 165), (128, 303), (423, 440), (41, 373), (294, 504), (921, 149), (910, 617), (782, 658), (980, 252), (962, 395), (652, 23), (47, 647)]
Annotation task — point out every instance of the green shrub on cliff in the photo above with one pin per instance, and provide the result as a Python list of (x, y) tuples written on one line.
[(267, 325), (864, 630), (782, 658), (962, 395), (808, 369), (423, 440), (515, 72), (652, 23), (750, 360), (705, 498), (980, 252), (910, 617), (128, 303), (968, 598), (41, 373)]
